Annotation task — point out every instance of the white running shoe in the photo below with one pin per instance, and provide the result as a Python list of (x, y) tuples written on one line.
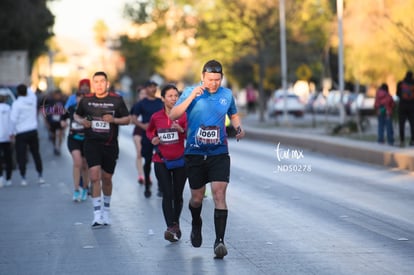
[(1, 182), (8, 183), (41, 180), (24, 183), (106, 217), (97, 220)]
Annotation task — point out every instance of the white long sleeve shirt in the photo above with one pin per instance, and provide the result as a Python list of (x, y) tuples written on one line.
[(6, 128), (24, 113)]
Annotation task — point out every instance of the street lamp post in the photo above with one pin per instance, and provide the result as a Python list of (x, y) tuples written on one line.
[(282, 22), (340, 10), (50, 84)]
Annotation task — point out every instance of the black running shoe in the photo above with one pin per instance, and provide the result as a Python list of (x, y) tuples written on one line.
[(220, 249), (147, 193), (196, 238)]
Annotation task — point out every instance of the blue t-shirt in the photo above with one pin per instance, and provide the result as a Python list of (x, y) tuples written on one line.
[(70, 102), (206, 115), (146, 108)]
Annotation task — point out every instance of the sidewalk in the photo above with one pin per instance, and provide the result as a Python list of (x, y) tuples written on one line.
[(300, 133)]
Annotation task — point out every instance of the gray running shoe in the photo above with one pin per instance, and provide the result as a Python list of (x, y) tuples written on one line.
[(220, 249)]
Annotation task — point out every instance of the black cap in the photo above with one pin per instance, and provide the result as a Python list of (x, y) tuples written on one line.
[(150, 83)]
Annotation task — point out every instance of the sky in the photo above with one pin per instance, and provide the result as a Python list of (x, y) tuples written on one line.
[(75, 19)]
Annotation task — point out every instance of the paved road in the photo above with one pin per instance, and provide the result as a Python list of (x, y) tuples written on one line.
[(334, 217)]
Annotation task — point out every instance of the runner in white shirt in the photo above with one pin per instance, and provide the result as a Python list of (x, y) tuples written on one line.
[(5, 141), (24, 120)]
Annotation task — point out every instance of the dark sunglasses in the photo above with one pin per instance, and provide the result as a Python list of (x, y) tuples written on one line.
[(216, 69)]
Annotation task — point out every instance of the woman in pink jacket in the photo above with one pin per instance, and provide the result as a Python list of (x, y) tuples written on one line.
[(384, 105), (168, 137)]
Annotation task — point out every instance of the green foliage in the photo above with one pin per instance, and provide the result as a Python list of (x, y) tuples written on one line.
[(244, 36), (248, 32), (241, 35), (141, 60), (174, 26), (310, 31), (25, 25)]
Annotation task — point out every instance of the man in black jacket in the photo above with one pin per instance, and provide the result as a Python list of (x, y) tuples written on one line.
[(405, 93)]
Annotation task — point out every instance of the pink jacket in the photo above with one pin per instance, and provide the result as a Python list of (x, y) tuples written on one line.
[(383, 98)]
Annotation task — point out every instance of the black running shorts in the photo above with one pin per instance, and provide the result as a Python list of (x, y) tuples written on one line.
[(138, 131), (74, 144), (204, 169), (55, 125), (100, 154)]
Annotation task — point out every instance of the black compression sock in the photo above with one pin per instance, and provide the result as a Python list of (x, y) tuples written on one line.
[(220, 221), (195, 213)]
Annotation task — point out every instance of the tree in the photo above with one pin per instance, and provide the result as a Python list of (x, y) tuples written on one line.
[(25, 25), (379, 40), (164, 30), (311, 30), (247, 31), (140, 59), (243, 31)]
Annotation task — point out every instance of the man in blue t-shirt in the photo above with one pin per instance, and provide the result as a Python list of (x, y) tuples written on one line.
[(206, 153), (145, 108)]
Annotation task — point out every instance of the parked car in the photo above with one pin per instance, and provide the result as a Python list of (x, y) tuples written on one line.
[(363, 104), (333, 101), (349, 101), (316, 103), (276, 104)]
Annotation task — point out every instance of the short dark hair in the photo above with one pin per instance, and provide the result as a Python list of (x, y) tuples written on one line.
[(57, 91), (22, 90), (166, 88), (150, 83), (384, 86), (213, 66), (101, 73)]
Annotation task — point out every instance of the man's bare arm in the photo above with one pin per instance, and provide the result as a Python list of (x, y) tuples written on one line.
[(178, 111)]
